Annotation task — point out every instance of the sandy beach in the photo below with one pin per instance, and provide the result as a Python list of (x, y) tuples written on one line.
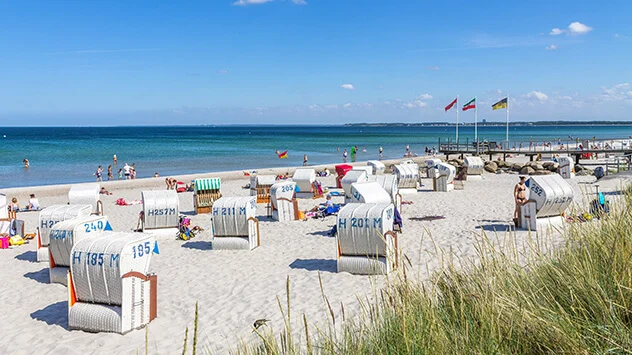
[(234, 288)]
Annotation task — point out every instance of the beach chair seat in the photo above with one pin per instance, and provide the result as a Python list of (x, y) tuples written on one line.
[(86, 194), (341, 171), (305, 179), (260, 187), (407, 177), (206, 191), (366, 242), (445, 181), (234, 224), (351, 177), (109, 288)]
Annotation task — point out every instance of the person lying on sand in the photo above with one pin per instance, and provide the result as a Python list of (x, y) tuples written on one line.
[(103, 191)]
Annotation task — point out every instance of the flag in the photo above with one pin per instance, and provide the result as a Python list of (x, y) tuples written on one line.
[(500, 104), (447, 108), (469, 105), (283, 155)]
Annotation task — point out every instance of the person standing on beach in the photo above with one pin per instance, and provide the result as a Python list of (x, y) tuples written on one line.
[(381, 151), (520, 197), (344, 156), (99, 173), (110, 176), (126, 170), (133, 171), (120, 174), (304, 159), (114, 159)]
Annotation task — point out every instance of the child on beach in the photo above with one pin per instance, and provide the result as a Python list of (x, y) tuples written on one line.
[(120, 174), (15, 206), (33, 203)]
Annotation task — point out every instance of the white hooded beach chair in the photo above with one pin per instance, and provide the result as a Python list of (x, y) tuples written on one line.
[(109, 288), (86, 194), (64, 235), (567, 167), (389, 183), (445, 181), (206, 192), (305, 179), (260, 187), (366, 243), (284, 205), (377, 167), (234, 224), (368, 192), (52, 215), (549, 196), (161, 213), (475, 167), (431, 168), (367, 168), (351, 177), (407, 177)]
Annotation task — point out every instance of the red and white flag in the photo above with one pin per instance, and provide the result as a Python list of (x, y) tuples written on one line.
[(447, 108)]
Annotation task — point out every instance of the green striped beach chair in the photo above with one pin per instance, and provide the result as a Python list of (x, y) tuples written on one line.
[(207, 191)]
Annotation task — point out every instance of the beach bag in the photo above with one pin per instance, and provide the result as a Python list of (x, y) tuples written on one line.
[(599, 173), (4, 242), (16, 240)]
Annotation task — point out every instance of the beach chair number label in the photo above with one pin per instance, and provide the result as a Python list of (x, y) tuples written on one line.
[(141, 249), (161, 212), (60, 234), (536, 189), (94, 259), (229, 211), (93, 226), (286, 188), (356, 195), (48, 224), (361, 223)]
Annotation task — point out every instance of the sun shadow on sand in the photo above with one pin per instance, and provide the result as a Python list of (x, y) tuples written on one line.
[(198, 245), (326, 265), (30, 256), (496, 227), (320, 233), (54, 314), (41, 276)]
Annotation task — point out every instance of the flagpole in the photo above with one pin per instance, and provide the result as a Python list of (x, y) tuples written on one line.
[(457, 119), (476, 122), (507, 132)]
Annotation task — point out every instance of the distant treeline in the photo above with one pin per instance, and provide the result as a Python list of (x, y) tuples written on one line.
[(536, 123)]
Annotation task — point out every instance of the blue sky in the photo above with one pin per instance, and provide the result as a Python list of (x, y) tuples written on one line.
[(295, 61)]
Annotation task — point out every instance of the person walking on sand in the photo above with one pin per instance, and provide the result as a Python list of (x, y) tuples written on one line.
[(114, 159), (304, 159), (110, 176), (520, 197), (99, 173)]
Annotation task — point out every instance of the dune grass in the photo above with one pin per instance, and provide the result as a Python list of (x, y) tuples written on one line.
[(548, 299)]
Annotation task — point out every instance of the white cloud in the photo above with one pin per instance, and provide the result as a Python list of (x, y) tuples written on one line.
[(616, 35), (617, 92), (574, 29), (537, 96), (578, 28), (414, 104), (552, 47), (222, 71), (347, 86), (433, 68), (425, 97), (331, 107), (347, 105), (300, 2), (556, 32), (409, 105), (250, 2)]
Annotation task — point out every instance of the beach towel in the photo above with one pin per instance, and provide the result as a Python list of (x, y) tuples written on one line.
[(426, 218), (121, 202)]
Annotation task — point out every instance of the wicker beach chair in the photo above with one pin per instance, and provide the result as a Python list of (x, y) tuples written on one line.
[(284, 206), (260, 186), (109, 288), (549, 197), (64, 235), (206, 192), (366, 243), (52, 215), (161, 213), (234, 224), (86, 194)]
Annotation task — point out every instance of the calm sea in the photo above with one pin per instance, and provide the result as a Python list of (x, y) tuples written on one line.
[(61, 155)]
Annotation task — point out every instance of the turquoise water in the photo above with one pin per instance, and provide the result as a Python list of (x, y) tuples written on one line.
[(71, 154)]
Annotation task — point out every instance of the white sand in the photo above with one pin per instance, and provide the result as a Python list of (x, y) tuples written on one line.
[(234, 288)]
